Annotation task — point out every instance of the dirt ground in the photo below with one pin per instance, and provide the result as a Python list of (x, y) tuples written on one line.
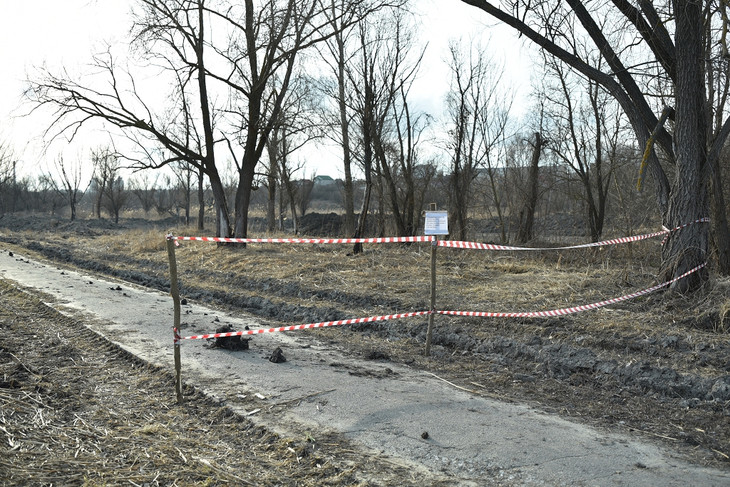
[(658, 365)]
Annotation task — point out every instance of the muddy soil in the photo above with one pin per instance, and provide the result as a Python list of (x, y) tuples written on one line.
[(658, 366)]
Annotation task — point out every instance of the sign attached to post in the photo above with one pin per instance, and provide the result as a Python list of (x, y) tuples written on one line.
[(437, 223)]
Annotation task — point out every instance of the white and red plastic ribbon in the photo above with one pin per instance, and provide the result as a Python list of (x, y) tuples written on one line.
[(443, 243)]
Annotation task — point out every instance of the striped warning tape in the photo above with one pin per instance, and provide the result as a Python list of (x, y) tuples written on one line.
[(308, 326), (427, 238), (430, 238), (615, 241), (534, 314), (567, 311)]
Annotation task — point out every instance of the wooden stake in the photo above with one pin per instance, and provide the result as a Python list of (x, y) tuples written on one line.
[(434, 246), (175, 293)]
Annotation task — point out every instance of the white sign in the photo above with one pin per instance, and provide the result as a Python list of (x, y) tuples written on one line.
[(437, 223)]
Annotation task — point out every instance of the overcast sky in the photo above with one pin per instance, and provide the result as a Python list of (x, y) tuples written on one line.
[(64, 33)]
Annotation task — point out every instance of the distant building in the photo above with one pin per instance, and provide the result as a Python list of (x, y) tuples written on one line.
[(323, 181)]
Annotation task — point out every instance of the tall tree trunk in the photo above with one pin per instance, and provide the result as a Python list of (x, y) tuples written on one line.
[(461, 185), (293, 206), (222, 222), (272, 146), (720, 228), (368, 131), (73, 208), (201, 201), (387, 175), (362, 218), (243, 197), (527, 214), (365, 208), (97, 204), (222, 218), (688, 247), (349, 193)]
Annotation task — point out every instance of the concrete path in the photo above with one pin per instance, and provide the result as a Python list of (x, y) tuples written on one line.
[(384, 407)]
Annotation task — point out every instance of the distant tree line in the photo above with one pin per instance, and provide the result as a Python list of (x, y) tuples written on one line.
[(495, 212)]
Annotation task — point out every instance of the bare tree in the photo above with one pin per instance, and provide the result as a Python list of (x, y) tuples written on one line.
[(718, 89), (264, 56), (584, 122), (105, 163), (181, 30), (8, 178), (527, 213), (187, 180), (8, 163), (111, 193), (144, 188), (675, 35), (397, 139), (336, 55), (302, 196), (297, 126), (116, 195), (339, 52), (46, 198), (409, 128), (389, 134), (365, 106), (169, 34), (478, 117), (67, 183), (164, 201), (254, 48)]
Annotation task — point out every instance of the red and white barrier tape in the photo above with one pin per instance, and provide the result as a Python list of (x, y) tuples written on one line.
[(567, 311), (428, 238), (441, 243), (307, 326), (533, 314), (486, 246)]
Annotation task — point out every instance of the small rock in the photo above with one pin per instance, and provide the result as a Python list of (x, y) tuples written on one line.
[(277, 356), (235, 342), (183, 301), (424, 435), (721, 389), (10, 254)]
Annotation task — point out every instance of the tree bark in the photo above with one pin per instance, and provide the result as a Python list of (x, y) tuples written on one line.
[(688, 247), (271, 181), (201, 201), (719, 218), (349, 193), (527, 215)]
